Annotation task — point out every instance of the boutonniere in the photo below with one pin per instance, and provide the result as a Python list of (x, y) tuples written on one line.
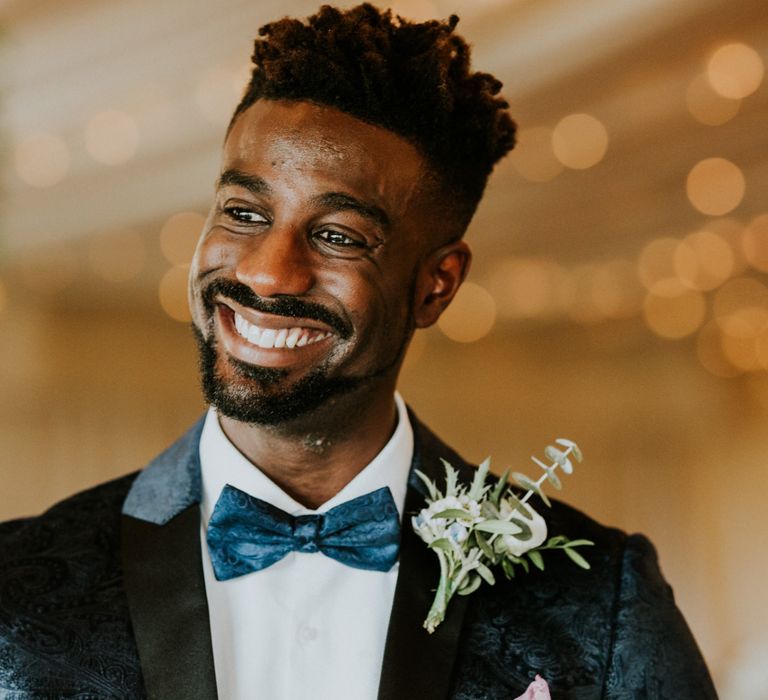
[(475, 528)]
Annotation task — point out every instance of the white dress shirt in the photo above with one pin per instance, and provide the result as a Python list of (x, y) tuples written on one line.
[(307, 626)]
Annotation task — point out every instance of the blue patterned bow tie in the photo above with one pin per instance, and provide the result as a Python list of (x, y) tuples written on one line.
[(247, 534)]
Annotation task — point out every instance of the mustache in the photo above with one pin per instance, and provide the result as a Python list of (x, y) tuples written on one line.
[(289, 306)]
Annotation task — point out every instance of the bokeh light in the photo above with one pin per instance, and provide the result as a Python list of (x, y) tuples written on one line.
[(672, 310), (117, 256), (111, 137), (42, 159), (735, 70), (470, 316), (656, 261), (741, 332), (703, 260), (715, 186), (179, 236), (527, 287), (172, 293), (533, 157), (737, 295), (579, 141), (708, 106), (754, 242)]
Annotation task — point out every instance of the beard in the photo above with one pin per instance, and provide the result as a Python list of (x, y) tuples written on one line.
[(261, 395)]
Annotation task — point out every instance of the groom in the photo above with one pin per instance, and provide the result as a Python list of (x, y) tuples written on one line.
[(349, 174)]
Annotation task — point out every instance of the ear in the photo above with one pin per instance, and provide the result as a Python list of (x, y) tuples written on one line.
[(439, 277)]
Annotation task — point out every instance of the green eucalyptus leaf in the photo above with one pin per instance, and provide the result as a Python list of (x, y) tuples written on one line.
[(530, 485), (575, 450), (434, 494), (451, 477), (554, 479), (576, 558), (580, 543), (455, 513), (498, 490), (503, 527), (557, 540), (519, 506), (442, 543), (478, 482), (486, 573), (508, 568), (489, 511), (537, 559), (472, 584), (484, 546)]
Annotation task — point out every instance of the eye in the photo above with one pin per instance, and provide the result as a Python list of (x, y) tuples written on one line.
[(245, 216), (339, 239)]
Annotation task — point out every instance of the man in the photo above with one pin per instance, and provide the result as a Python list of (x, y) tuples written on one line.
[(349, 173)]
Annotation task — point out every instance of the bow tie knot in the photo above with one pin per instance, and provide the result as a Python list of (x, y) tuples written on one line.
[(247, 534), (306, 530)]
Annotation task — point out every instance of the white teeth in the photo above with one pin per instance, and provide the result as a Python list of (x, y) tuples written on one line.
[(293, 336), (268, 338)]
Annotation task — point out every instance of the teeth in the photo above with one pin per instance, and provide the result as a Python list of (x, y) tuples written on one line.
[(293, 336), (268, 338)]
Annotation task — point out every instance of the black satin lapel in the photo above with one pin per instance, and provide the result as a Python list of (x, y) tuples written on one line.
[(418, 664), (169, 611)]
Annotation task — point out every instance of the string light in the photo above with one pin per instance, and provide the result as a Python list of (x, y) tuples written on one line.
[(703, 260), (671, 310)]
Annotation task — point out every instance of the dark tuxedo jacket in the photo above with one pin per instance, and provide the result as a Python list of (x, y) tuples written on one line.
[(102, 596)]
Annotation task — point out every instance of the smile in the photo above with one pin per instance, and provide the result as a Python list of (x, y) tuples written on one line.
[(268, 338)]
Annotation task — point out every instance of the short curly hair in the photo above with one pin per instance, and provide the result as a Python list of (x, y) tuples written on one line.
[(411, 78)]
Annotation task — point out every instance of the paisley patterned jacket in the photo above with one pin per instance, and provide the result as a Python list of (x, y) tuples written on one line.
[(102, 597)]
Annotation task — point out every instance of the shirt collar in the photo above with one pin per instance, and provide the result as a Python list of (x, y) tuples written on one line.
[(222, 463)]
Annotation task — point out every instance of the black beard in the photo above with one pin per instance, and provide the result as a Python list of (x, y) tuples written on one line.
[(249, 397), (251, 401)]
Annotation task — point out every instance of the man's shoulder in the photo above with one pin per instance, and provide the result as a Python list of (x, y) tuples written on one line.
[(94, 509)]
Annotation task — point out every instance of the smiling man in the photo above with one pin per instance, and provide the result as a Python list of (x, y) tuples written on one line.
[(268, 553)]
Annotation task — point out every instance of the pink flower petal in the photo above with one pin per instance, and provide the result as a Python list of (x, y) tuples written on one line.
[(538, 690)]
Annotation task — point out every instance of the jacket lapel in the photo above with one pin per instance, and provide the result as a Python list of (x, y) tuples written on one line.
[(417, 664), (163, 574)]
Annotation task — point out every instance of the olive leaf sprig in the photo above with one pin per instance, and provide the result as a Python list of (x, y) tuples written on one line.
[(476, 527)]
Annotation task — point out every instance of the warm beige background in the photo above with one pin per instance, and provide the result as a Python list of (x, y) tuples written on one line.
[(96, 376)]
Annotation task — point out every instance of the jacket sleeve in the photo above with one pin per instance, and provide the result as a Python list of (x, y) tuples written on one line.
[(653, 654)]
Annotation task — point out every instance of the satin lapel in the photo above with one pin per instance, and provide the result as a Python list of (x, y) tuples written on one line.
[(166, 596), (417, 664)]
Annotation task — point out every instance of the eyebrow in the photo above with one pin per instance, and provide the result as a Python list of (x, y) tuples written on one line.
[(252, 183), (335, 201), (339, 201)]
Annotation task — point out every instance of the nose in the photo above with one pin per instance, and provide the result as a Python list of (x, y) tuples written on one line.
[(277, 262)]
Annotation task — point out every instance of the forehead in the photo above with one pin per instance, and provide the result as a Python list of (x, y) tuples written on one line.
[(304, 144)]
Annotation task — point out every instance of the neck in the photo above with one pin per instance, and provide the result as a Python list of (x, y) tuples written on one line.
[(317, 455)]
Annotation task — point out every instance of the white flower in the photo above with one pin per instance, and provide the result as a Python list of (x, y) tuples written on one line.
[(513, 544)]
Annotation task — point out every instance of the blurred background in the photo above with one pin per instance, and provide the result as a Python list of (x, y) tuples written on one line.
[(619, 294)]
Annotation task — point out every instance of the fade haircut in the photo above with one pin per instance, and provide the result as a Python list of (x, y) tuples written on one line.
[(411, 78)]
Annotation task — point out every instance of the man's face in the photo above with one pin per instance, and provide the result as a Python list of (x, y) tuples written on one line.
[(313, 256)]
